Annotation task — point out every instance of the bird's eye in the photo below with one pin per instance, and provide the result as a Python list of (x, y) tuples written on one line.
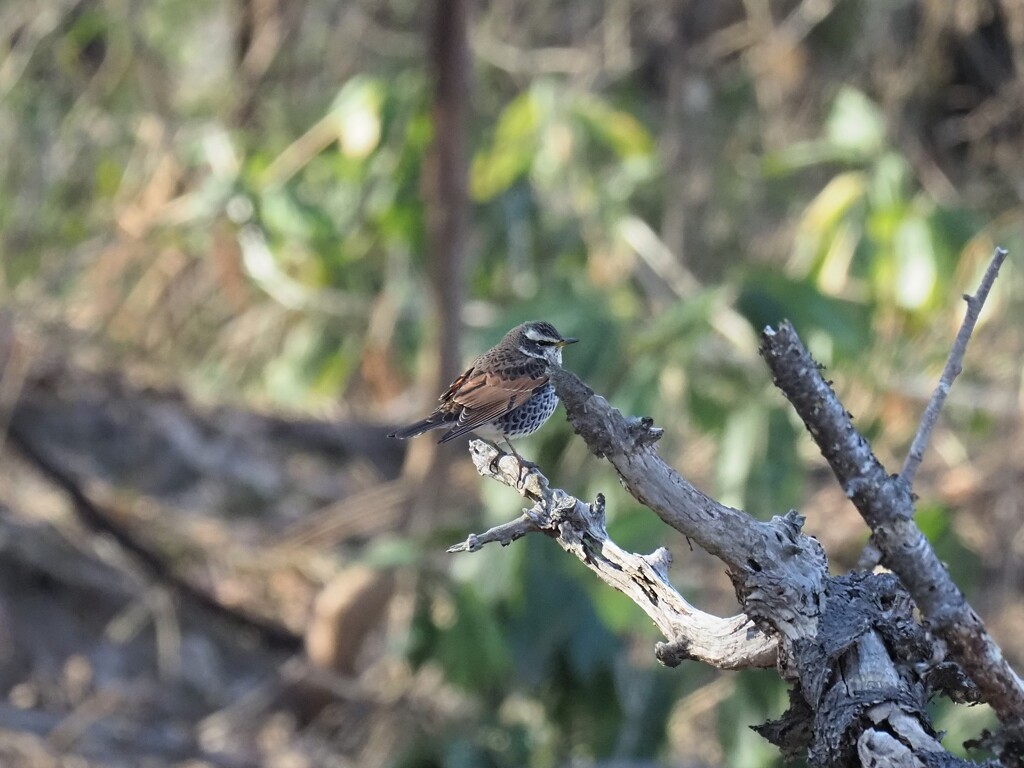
[(545, 343)]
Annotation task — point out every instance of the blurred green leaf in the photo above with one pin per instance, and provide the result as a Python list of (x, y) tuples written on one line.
[(856, 124), (932, 519), (283, 214), (757, 693), (769, 297), (776, 480), (803, 154), (916, 269), (682, 325), (742, 439), (618, 130), (512, 150), (818, 241), (555, 626), (890, 181), (473, 651)]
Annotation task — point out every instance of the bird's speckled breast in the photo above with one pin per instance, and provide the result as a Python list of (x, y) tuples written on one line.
[(531, 415)]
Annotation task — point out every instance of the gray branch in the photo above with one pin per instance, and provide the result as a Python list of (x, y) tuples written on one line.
[(849, 691), (579, 528), (886, 503), (952, 369), (871, 555)]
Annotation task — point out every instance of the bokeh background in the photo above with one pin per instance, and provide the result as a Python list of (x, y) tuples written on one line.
[(240, 241)]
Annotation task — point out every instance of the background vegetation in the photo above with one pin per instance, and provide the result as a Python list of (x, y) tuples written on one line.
[(213, 275)]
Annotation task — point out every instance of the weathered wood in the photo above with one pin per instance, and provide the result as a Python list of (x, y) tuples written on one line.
[(579, 528), (861, 666), (887, 505)]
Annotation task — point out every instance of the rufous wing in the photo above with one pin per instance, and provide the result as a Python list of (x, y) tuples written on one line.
[(484, 396)]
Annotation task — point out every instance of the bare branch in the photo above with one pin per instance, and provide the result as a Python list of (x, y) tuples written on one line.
[(731, 535), (579, 528), (886, 504), (772, 565), (871, 554), (953, 368), (850, 642), (825, 625)]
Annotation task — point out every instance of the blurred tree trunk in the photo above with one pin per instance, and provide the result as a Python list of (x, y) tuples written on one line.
[(686, 138), (444, 179), (446, 200), (354, 604)]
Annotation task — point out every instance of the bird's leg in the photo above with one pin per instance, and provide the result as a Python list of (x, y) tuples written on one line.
[(523, 463), (493, 466)]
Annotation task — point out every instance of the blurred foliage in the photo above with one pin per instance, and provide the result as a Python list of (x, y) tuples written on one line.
[(259, 235)]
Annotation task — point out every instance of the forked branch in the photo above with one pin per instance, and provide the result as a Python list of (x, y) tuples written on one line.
[(579, 528), (863, 668), (886, 503)]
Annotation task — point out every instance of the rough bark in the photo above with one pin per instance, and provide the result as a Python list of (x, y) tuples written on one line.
[(579, 528), (887, 505)]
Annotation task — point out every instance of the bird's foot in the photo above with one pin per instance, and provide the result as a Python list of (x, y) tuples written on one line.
[(525, 466), (495, 465)]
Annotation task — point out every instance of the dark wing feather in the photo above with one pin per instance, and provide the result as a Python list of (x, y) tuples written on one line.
[(484, 396), (457, 385)]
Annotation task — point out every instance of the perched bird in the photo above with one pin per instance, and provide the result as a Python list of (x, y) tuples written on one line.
[(505, 393)]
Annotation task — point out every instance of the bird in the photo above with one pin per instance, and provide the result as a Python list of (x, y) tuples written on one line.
[(505, 393)]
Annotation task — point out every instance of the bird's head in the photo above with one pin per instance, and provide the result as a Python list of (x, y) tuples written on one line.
[(540, 339)]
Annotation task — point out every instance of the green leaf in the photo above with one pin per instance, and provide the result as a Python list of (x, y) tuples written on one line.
[(890, 181), (282, 214), (768, 297), (775, 481), (511, 153), (619, 131), (802, 154), (856, 124), (556, 629), (743, 439), (933, 520), (821, 239), (915, 259), (472, 650)]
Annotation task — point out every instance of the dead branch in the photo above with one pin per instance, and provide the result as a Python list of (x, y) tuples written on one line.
[(863, 669), (579, 528), (886, 503), (952, 369), (754, 552), (860, 664)]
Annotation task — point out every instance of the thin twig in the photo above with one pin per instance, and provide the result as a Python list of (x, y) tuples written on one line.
[(954, 366)]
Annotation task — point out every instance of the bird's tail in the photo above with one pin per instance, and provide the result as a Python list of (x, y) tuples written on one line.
[(427, 424)]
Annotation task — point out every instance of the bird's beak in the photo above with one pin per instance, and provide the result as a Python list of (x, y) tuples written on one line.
[(570, 340)]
